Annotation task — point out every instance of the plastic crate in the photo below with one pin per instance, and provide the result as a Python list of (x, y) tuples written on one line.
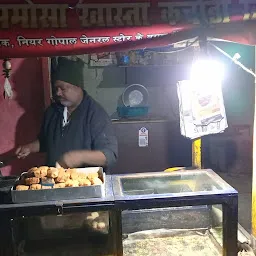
[(132, 111)]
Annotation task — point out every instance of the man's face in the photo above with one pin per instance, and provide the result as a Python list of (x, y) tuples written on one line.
[(67, 94)]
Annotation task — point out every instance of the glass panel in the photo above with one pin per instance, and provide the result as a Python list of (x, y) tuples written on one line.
[(73, 234), (173, 231), (168, 184), (217, 223)]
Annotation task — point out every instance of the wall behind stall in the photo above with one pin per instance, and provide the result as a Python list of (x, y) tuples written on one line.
[(107, 84), (21, 116)]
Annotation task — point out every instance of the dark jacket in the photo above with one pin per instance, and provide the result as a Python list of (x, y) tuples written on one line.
[(90, 128)]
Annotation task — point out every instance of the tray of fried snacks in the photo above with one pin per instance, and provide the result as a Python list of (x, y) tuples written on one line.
[(45, 183)]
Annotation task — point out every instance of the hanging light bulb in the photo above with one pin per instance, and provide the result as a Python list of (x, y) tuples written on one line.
[(206, 73), (7, 67), (207, 70)]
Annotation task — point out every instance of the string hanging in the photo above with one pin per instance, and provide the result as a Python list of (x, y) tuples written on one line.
[(7, 67)]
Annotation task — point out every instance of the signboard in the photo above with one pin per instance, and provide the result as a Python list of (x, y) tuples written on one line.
[(60, 29), (143, 137)]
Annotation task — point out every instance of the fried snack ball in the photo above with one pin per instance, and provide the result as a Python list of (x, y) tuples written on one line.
[(52, 172), (95, 225), (61, 171), (89, 218), (43, 171), (96, 181), (22, 187), (68, 183), (37, 173), (59, 185), (84, 182), (33, 180), (72, 183), (35, 187), (101, 225), (95, 215), (82, 175), (74, 174), (92, 216), (93, 175), (40, 172), (98, 225), (63, 176)]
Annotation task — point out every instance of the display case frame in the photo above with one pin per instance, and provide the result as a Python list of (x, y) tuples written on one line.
[(226, 196)]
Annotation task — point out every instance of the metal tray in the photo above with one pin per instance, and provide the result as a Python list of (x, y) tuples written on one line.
[(55, 194)]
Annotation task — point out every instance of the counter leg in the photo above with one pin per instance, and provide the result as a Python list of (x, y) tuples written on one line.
[(230, 223), (6, 243), (116, 229)]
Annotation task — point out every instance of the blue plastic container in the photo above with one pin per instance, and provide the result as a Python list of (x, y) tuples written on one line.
[(131, 111)]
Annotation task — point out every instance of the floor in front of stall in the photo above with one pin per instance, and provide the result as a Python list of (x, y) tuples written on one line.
[(243, 184)]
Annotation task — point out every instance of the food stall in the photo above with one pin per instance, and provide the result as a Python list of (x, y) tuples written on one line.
[(132, 214)]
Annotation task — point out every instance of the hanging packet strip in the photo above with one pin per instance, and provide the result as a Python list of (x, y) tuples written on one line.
[(202, 110), (8, 93)]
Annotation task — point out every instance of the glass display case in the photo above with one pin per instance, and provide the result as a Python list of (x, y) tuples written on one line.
[(181, 213), (186, 213)]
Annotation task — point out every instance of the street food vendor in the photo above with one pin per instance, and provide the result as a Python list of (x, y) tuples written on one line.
[(76, 131)]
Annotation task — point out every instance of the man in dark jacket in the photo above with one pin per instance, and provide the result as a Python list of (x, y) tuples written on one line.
[(76, 131)]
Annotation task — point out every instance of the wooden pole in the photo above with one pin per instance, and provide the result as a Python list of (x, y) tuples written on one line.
[(196, 153)]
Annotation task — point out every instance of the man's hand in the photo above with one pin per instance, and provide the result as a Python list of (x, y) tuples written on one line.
[(71, 159), (78, 158), (24, 151)]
